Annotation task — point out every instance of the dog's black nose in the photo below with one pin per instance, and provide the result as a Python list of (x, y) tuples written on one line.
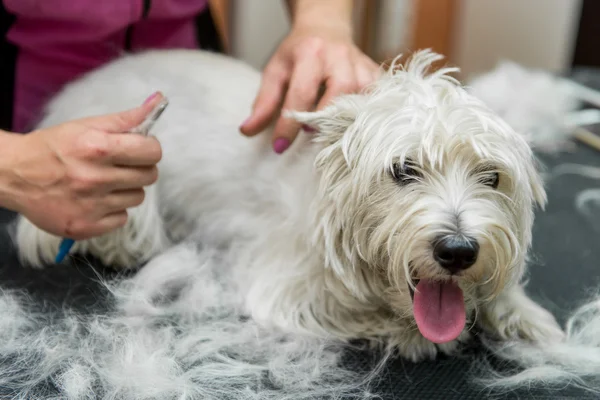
[(455, 253)]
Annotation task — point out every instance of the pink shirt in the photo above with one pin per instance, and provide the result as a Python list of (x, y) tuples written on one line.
[(58, 40)]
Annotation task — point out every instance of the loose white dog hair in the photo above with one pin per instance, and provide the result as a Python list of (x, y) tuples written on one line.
[(174, 333), (405, 220)]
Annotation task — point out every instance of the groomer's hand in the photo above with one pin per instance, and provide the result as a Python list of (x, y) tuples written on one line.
[(319, 51), (78, 179)]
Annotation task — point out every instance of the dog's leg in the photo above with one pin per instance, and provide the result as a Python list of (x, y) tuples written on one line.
[(514, 316), (295, 293), (141, 238)]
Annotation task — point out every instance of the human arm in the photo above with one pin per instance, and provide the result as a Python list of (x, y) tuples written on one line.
[(318, 52), (77, 179)]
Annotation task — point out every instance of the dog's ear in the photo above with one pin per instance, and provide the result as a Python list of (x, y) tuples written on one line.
[(334, 120)]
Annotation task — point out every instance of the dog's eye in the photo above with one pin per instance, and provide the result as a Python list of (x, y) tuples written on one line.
[(405, 173), (491, 179)]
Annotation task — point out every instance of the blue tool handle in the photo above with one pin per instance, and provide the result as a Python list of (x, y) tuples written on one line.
[(63, 250)]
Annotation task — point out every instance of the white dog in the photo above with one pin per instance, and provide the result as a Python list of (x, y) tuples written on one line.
[(407, 217)]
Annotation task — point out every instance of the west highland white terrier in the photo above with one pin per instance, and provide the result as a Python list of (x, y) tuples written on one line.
[(407, 217)]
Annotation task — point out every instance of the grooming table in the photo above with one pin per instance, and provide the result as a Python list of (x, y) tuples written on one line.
[(566, 267)]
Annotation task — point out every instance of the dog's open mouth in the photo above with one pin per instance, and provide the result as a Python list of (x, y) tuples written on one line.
[(439, 309)]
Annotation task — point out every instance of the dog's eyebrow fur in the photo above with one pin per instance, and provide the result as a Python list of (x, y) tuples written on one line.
[(426, 124)]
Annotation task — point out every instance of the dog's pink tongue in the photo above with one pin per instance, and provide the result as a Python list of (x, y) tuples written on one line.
[(439, 310)]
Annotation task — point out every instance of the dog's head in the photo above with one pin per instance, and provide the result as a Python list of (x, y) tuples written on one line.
[(425, 194)]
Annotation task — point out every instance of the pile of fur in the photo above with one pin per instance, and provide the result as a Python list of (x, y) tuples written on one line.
[(540, 105), (176, 332), (576, 362)]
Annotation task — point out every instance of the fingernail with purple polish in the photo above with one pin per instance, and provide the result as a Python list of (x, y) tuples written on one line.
[(245, 122), (308, 129), (281, 145), (152, 97)]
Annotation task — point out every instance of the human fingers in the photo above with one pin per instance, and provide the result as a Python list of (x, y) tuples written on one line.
[(367, 72), (125, 120), (128, 149), (130, 177), (81, 230), (268, 99), (301, 96), (124, 149), (93, 181), (123, 199), (341, 79)]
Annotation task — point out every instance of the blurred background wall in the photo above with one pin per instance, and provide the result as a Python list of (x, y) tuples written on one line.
[(535, 33), (473, 34)]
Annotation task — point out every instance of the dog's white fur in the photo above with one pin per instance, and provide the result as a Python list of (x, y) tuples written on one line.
[(327, 241)]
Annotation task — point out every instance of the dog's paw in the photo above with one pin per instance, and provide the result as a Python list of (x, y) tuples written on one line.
[(414, 347), (516, 317), (453, 347), (528, 322)]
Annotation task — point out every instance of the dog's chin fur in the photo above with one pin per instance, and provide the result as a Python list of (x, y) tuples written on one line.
[(328, 239)]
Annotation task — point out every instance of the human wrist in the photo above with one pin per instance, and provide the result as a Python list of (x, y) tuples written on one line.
[(329, 15), (8, 149)]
